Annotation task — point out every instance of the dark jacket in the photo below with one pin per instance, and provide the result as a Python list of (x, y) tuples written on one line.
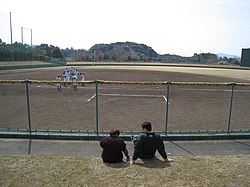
[(146, 145), (112, 149)]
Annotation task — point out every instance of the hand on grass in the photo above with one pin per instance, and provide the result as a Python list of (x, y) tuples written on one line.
[(130, 162), (169, 160)]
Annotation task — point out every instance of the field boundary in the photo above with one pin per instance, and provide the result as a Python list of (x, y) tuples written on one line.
[(126, 82), (159, 64), (91, 135)]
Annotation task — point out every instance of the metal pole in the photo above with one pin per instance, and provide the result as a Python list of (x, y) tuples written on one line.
[(31, 38), (167, 101), (230, 110), (10, 29), (96, 109), (28, 104), (22, 34), (31, 44), (11, 41)]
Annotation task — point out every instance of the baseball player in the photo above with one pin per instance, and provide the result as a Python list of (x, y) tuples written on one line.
[(58, 85), (82, 77), (74, 79)]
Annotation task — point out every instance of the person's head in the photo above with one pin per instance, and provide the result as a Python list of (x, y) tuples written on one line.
[(146, 126), (114, 132)]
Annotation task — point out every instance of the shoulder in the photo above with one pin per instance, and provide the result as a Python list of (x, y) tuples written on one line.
[(104, 138), (157, 134), (142, 135), (158, 137), (153, 135)]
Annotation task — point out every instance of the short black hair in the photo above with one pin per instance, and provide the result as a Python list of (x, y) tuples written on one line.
[(147, 125), (114, 132)]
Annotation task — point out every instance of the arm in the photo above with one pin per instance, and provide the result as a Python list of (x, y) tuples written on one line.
[(137, 149), (161, 147), (161, 150), (125, 151)]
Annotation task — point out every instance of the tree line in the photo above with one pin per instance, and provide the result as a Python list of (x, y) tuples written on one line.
[(23, 52), (114, 52)]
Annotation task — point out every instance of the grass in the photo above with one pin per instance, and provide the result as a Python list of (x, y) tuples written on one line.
[(77, 171), (22, 63)]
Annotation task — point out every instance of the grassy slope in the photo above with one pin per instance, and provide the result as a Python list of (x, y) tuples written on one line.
[(75, 171)]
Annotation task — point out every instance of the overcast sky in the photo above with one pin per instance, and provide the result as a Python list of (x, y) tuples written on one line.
[(181, 27)]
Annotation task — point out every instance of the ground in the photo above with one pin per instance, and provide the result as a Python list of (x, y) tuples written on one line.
[(126, 106)]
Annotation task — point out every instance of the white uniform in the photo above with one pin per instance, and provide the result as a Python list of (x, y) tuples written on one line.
[(64, 76), (82, 77), (67, 74), (74, 79), (58, 85)]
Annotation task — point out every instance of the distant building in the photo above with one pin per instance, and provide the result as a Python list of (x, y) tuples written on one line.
[(245, 57)]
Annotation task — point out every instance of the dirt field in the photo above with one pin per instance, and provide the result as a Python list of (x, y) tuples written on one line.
[(126, 106)]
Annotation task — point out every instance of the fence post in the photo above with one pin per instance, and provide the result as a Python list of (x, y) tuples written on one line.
[(230, 109), (96, 108), (28, 104), (166, 117)]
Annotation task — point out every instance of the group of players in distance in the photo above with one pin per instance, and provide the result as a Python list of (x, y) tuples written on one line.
[(70, 74)]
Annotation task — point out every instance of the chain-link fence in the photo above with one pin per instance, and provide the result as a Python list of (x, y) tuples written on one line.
[(98, 106), (126, 106), (199, 107), (13, 110)]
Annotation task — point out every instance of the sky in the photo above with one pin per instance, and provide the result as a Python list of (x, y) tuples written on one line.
[(181, 27)]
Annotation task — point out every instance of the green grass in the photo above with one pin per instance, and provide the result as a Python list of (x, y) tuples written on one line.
[(77, 171)]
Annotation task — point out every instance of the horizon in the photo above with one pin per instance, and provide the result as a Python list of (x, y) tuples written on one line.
[(167, 26)]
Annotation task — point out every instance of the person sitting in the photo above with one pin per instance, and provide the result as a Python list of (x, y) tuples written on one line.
[(113, 148), (147, 143)]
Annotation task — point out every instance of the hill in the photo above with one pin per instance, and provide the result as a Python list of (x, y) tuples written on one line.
[(223, 55), (123, 51), (80, 171), (131, 51)]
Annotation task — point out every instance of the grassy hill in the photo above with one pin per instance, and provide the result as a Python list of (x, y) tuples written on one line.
[(76, 171)]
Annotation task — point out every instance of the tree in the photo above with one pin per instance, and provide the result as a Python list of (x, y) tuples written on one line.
[(39, 54), (57, 53)]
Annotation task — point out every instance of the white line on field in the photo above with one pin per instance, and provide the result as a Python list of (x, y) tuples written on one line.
[(91, 98), (166, 100), (132, 95)]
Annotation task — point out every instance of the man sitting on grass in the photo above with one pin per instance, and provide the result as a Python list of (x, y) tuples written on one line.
[(113, 148), (147, 143)]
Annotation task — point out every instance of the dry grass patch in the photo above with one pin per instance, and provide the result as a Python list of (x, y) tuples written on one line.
[(70, 171), (22, 63)]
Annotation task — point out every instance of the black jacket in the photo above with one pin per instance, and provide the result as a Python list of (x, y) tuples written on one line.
[(146, 145), (112, 149)]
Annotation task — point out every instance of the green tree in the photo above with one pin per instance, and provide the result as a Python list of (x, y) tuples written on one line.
[(57, 53), (39, 54)]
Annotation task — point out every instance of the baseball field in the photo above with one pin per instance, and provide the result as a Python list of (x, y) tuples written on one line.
[(126, 106)]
